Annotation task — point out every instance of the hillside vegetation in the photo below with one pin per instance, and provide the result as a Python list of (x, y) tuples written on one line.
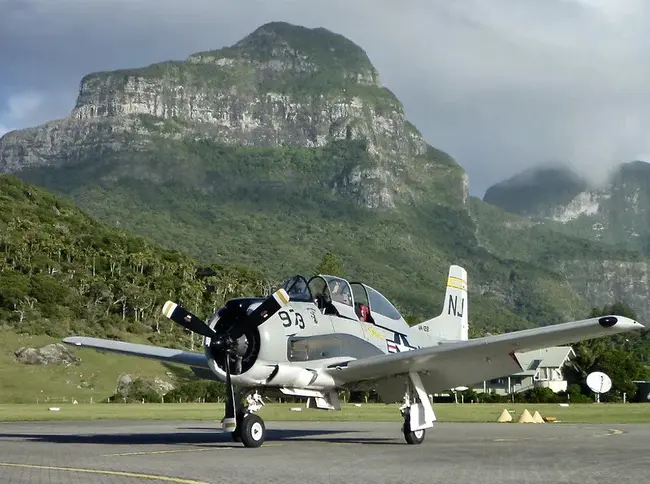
[(274, 210), (63, 272)]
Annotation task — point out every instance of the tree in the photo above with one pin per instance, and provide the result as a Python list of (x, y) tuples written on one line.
[(620, 356), (330, 265)]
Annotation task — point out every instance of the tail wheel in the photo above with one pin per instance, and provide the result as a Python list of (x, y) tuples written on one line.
[(412, 437), (252, 431)]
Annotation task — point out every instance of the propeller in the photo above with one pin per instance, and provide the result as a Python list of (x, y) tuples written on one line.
[(226, 343)]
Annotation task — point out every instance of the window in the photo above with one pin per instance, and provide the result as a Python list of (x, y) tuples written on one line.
[(380, 305)]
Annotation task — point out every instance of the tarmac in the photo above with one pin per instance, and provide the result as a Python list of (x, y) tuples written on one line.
[(191, 452)]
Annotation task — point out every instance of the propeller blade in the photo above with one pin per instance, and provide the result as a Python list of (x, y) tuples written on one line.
[(271, 305), (229, 422), (188, 320)]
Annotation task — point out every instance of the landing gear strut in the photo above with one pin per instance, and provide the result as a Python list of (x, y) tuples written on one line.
[(250, 429), (416, 410)]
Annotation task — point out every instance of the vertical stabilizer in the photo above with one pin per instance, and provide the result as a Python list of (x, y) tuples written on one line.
[(452, 323)]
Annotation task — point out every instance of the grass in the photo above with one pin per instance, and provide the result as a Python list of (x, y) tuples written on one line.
[(96, 377), (579, 413)]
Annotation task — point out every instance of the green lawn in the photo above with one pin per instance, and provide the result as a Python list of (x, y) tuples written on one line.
[(94, 378), (579, 413)]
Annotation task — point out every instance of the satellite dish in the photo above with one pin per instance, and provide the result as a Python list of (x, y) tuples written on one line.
[(456, 390), (599, 383)]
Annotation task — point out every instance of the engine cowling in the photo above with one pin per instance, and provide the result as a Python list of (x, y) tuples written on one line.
[(248, 371), (258, 365)]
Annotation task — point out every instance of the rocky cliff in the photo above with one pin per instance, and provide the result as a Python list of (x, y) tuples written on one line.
[(282, 85), (617, 212), (284, 146)]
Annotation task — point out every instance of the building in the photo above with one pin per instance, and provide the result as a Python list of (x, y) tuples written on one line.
[(542, 368), (642, 391)]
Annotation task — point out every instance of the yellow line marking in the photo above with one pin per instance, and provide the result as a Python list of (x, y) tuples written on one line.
[(152, 452), (456, 279), (177, 480), (457, 283), (168, 308), (282, 294), (462, 288)]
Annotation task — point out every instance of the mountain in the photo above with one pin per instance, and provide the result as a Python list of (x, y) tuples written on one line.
[(616, 212), (281, 86), (285, 146), (536, 191)]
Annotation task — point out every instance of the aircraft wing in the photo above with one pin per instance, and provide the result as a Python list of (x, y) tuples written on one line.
[(452, 364), (146, 351)]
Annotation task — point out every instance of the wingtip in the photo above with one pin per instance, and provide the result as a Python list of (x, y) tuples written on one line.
[(72, 340), (620, 323)]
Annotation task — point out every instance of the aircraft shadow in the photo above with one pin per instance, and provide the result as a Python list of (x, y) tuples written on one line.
[(195, 438)]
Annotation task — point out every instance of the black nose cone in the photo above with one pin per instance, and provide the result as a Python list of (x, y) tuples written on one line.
[(608, 321)]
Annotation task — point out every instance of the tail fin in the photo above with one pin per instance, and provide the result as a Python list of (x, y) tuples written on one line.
[(452, 323)]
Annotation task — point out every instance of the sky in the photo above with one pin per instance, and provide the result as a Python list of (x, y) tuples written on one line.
[(501, 85)]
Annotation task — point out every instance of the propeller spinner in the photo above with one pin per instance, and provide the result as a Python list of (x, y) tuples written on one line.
[(226, 344)]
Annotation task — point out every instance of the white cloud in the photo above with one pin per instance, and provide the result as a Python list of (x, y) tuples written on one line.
[(501, 85)]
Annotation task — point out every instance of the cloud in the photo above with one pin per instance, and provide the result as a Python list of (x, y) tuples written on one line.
[(500, 85), (20, 110)]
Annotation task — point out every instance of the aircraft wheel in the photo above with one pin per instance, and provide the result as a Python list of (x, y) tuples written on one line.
[(412, 437), (252, 431)]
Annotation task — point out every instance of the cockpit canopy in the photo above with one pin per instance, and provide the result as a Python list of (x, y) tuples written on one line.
[(323, 289)]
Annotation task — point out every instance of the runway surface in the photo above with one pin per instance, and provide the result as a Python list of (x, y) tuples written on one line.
[(197, 452)]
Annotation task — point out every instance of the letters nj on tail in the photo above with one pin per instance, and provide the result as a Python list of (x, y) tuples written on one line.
[(452, 323)]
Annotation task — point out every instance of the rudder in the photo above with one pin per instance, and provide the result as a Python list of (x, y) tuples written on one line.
[(452, 323)]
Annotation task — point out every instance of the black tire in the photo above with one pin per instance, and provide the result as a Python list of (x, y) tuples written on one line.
[(413, 437), (252, 431)]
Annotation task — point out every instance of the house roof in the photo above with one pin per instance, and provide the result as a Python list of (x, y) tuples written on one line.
[(553, 357)]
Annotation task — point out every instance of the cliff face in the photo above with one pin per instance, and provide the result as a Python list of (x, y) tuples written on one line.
[(617, 212), (610, 280), (280, 86)]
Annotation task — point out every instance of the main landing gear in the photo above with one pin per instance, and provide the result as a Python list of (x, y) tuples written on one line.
[(417, 411), (250, 429)]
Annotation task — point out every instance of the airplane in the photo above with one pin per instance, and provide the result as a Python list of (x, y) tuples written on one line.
[(313, 337)]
